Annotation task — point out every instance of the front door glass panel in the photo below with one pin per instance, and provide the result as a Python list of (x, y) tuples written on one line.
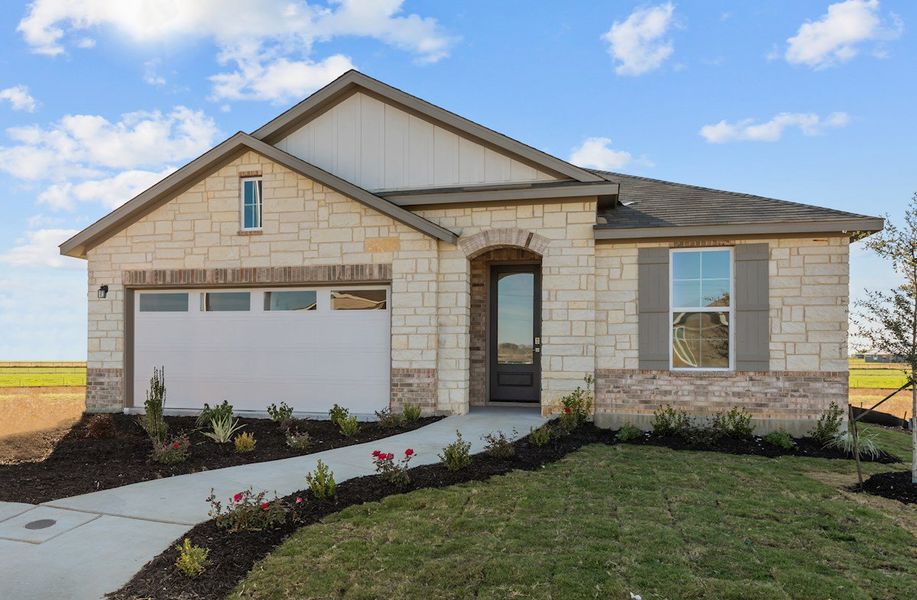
[(515, 318)]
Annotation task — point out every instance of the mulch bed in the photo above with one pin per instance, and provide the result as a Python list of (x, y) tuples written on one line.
[(80, 464), (234, 554), (895, 485)]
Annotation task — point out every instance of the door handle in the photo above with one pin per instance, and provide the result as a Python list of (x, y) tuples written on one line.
[(537, 345)]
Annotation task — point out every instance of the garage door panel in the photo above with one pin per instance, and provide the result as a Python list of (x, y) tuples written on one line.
[(308, 359)]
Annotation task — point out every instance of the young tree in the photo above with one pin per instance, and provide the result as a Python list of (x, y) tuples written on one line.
[(887, 320)]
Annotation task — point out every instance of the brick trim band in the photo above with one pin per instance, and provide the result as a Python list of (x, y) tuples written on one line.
[(361, 273)]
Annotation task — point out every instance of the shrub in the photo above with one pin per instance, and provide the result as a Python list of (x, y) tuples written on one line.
[(829, 424), (391, 471), (781, 439), (628, 433), (349, 426), (541, 436), (244, 442), (152, 420), (736, 423), (388, 419), (191, 559), (173, 451), (281, 413), (457, 455), (221, 429), (247, 511), (298, 441), (669, 421), (700, 435), (100, 426), (868, 444), (219, 412), (337, 414), (411, 413), (321, 482), (577, 406), (498, 445)]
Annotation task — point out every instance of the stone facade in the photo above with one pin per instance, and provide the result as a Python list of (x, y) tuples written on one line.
[(104, 389)]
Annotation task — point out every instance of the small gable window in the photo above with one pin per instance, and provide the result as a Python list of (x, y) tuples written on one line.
[(251, 203)]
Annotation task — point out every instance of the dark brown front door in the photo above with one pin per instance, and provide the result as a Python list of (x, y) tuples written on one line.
[(515, 333)]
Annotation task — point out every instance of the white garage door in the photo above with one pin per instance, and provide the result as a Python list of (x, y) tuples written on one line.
[(310, 348)]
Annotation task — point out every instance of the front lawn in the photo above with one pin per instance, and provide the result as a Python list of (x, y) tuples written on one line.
[(613, 519)]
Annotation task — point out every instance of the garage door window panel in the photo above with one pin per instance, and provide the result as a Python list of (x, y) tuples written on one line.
[(226, 302), (163, 302), (289, 301), (358, 300)]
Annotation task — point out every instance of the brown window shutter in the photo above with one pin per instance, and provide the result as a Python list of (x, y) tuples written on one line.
[(752, 307), (653, 307)]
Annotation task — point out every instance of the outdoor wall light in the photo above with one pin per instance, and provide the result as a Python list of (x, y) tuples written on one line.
[(103, 292)]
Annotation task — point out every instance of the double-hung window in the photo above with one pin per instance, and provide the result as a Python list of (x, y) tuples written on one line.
[(251, 203), (701, 309)]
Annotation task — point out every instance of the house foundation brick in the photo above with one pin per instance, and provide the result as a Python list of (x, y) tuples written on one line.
[(416, 387), (104, 390)]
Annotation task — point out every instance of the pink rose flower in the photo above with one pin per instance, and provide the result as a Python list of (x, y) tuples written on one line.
[(237, 497)]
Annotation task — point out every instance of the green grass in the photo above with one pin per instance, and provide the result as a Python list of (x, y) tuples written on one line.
[(877, 378), (41, 376), (610, 520)]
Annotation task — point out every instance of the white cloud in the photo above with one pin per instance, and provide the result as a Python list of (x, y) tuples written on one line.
[(39, 248), (19, 98), (771, 131), (638, 43), (596, 153), (151, 73), (837, 36), (110, 192), (90, 145), (278, 35)]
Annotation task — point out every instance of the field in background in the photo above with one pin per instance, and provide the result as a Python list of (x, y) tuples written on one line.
[(38, 396), (870, 382), (42, 374)]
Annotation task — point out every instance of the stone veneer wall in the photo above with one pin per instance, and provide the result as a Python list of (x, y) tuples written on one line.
[(416, 387), (104, 389)]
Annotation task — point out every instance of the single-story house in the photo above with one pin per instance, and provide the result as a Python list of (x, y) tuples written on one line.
[(371, 249)]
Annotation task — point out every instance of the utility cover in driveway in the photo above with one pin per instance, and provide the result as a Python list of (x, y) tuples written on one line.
[(310, 348)]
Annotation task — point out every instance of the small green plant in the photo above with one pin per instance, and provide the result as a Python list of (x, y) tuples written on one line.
[(388, 419), (299, 440), (280, 414), (829, 424), (219, 412), (192, 560), (541, 436), (457, 455), (321, 482), (577, 406), (244, 442), (247, 511), (781, 439), (173, 451), (349, 426), (735, 423), (628, 433), (498, 445), (391, 471), (868, 444), (100, 426), (221, 429), (668, 421), (152, 420), (337, 414), (411, 413)]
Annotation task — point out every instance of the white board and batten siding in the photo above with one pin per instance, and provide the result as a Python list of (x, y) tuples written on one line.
[(310, 359), (381, 147)]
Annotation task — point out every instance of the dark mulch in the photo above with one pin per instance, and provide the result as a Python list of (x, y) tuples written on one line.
[(80, 464), (234, 554), (756, 446), (895, 485)]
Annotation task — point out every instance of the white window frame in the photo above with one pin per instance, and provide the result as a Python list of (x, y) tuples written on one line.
[(259, 189), (730, 309)]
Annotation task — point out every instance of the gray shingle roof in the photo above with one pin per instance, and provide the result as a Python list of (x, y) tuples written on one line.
[(646, 202)]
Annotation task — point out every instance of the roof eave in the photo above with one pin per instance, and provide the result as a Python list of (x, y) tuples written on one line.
[(854, 227), (496, 194)]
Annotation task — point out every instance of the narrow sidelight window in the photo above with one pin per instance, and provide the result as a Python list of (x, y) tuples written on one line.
[(701, 309), (251, 203)]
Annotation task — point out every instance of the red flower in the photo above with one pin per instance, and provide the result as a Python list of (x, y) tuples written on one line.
[(376, 453), (409, 452), (176, 445), (298, 499), (567, 410), (237, 497), (390, 456), (265, 505)]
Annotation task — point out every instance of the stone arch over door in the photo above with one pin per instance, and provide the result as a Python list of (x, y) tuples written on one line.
[(510, 237)]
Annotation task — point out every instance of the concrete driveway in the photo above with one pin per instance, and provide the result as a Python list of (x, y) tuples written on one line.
[(86, 546)]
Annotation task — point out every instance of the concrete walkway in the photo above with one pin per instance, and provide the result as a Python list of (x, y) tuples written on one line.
[(86, 546)]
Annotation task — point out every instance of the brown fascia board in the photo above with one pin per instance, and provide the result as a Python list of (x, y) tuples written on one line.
[(220, 154), (312, 106), (511, 192), (865, 225)]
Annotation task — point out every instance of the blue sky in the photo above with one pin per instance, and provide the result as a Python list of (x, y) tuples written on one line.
[(802, 100)]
